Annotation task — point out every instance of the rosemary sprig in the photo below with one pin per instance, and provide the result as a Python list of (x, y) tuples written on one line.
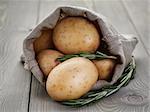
[(98, 55), (94, 96)]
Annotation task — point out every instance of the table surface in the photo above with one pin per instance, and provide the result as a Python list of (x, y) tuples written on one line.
[(21, 92)]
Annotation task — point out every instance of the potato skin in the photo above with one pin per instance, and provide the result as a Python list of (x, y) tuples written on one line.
[(47, 60), (44, 41), (74, 35), (71, 79), (105, 68)]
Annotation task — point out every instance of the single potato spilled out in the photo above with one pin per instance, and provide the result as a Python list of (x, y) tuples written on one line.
[(71, 79), (47, 60)]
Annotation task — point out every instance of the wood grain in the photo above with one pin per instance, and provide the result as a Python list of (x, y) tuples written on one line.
[(139, 18), (14, 80), (137, 90)]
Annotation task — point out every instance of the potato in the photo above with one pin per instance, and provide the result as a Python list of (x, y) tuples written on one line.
[(74, 35), (71, 79), (47, 60), (105, 68), (44, 41)]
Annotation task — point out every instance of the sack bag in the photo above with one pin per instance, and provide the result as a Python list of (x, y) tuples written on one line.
[(119, 45)]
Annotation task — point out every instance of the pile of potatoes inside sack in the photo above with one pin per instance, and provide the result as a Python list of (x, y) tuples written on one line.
[(75, 76)]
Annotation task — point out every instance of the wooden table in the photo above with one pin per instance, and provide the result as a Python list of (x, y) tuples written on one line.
[(21, 92)]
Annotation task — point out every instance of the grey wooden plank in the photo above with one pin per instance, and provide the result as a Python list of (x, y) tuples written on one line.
[(16, 18), (14, 80), (139, 16), (40, 102), (22, 15)]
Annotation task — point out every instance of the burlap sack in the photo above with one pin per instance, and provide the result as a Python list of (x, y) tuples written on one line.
[(118, 44)]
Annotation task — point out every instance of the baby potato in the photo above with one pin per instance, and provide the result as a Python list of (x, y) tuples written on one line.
[(47, 60), (105, 68), (71, 79), (74, 35), (44, 41)]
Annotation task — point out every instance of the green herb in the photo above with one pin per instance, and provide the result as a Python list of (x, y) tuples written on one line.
[(96, 56), (96, 95)]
